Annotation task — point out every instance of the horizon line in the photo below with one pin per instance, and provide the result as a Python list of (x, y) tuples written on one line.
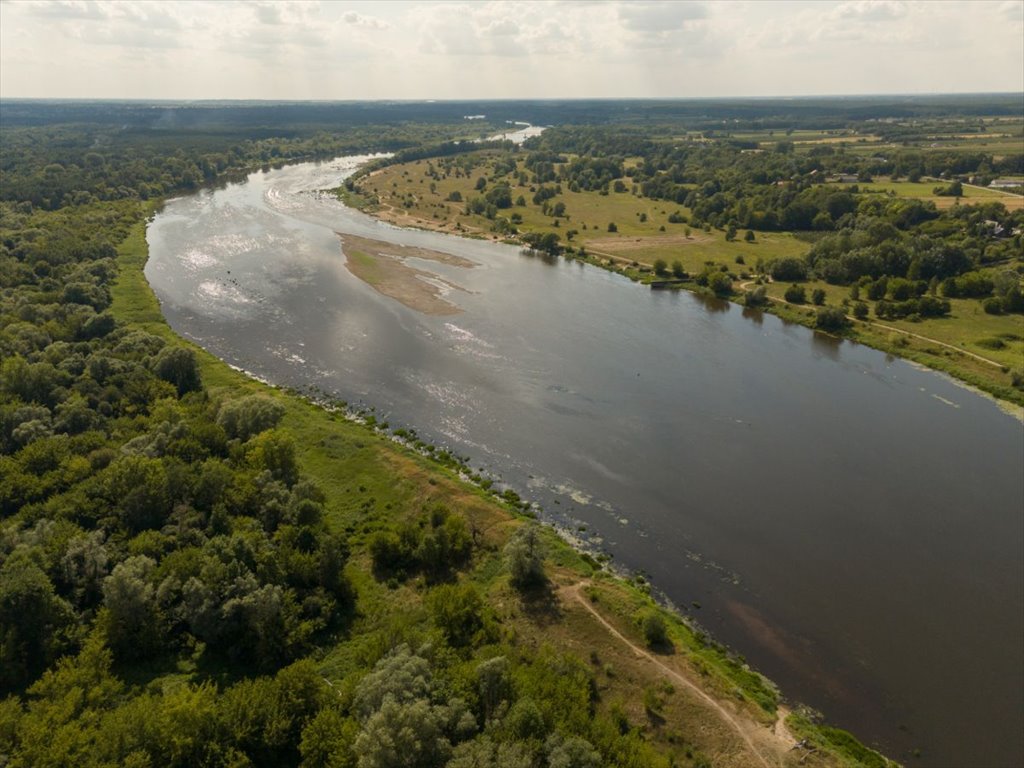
[(431, 100)]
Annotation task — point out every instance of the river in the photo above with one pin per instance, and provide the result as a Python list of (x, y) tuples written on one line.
[(851, 523)]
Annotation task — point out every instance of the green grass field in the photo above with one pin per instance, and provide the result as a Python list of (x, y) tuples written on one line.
[(1002, 136), (925, 190), (644, 232)]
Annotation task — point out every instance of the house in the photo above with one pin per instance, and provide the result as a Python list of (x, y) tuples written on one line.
[(1006, 183)]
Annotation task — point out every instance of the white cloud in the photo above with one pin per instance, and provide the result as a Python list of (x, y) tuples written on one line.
[(659, 16), (501, 48), (871, 10), (359, 20), (495, 29), (1012, 9)]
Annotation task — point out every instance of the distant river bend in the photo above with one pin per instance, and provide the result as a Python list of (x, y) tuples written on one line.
[(850, 523)]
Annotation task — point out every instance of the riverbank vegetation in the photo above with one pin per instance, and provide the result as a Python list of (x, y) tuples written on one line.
[(199, 569), (902, 247)]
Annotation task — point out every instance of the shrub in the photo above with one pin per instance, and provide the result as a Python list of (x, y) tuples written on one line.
[(178, 366), (993, 342), (831, 319), (876, 290), (720, 283), (660, 267), (796, 294), (524, 556), (992, 306), (459, 612), (612, 227), (249, 416), (654, 629), (756, 297), (818, 296), (789, 269)]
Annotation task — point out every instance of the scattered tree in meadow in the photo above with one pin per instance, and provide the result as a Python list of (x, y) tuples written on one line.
[(757, 297), (831, 319), (524, 557), (789, 270), (654, 628), (795, 294), (719, 282)]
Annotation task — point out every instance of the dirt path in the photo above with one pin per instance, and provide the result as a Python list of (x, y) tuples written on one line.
[(743, 287), (743, 729)]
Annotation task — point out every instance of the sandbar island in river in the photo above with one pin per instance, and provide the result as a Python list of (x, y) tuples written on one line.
[(382, 266)]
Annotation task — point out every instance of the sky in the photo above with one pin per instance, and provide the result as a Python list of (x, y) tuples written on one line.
[(321, 49)]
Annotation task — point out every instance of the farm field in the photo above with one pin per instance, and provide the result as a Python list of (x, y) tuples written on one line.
[(925, 190)]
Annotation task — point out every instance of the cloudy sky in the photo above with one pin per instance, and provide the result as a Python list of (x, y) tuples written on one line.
[(321, 49)]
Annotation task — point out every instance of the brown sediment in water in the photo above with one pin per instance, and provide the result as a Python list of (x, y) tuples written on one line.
[(382, 266)]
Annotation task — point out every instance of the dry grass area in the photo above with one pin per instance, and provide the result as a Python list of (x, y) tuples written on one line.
[(666, 695), (630, 244), (1011, 201)]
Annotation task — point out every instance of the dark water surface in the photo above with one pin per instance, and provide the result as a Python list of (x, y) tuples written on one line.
[(848, 522)]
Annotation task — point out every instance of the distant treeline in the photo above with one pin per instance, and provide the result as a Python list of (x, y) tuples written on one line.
[(812, 112), (54, 166)]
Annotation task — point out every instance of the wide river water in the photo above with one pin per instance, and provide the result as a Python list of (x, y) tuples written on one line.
[(848, 522)]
